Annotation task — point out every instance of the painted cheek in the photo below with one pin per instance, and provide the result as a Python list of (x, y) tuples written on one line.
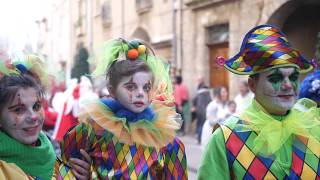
[(17, 120), (149, 96), (295, 85), (130, 96), (276, 86)]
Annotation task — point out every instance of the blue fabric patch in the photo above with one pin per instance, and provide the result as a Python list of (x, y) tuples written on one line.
[(21, 68), (120, 111)]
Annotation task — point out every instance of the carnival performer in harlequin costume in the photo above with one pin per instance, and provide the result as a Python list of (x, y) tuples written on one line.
[(275, 137), (25, 151), (132, 134)]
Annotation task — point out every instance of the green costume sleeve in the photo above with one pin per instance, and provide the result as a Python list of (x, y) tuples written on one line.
[(214, 164)]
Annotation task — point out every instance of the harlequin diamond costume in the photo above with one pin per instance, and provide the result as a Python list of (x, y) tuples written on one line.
[(124, 144), (258, 145)]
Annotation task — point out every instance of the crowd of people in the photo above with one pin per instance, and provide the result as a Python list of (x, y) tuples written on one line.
[(131, 133)]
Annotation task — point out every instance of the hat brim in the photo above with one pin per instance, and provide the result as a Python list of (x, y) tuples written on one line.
[(302, 71)]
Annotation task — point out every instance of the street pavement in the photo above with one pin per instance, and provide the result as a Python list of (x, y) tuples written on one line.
[(194, 153)]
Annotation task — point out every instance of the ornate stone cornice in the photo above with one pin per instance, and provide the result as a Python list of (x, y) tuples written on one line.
[(198, 4)]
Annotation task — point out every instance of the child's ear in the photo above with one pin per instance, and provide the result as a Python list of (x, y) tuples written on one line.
[(252, 84), (111, 91)]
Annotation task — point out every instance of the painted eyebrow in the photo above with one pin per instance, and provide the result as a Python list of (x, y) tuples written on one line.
[(295, 73), (276, 74), (22, 105), (15, 106), (130, 81)]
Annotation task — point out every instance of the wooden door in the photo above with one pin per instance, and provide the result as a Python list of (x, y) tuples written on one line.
[(218, 75)]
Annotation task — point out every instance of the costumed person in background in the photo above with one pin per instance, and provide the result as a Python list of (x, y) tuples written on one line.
[(310, 87), (50, 117), (132, 134), (67, 105), (25, 151), (86, 91), (275, 137)]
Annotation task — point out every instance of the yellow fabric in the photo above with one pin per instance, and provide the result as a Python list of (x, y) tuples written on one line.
[(157, 133), (10, 171), (303, 120)]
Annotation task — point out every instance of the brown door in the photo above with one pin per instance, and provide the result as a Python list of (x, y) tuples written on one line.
[(218, 75)]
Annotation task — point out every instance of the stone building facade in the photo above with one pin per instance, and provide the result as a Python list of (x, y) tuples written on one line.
[(298, 19), (191, 33)]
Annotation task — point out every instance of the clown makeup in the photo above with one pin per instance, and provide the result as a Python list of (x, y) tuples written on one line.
[(133, 91), (276, 90), (22, 118)]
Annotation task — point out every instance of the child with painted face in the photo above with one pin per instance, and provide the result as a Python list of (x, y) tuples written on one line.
[(130, 84), (25, 151), (275, 137), (132, 134)]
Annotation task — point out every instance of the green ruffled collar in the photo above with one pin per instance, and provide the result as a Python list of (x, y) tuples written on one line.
[(274, 131)]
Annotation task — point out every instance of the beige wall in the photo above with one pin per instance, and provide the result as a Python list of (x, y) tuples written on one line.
[(240, 15)]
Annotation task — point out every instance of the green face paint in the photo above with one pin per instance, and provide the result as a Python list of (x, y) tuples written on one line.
[(276, 79), (294, 79)]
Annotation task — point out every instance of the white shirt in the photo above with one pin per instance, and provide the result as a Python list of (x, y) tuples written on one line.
[(243, 102)]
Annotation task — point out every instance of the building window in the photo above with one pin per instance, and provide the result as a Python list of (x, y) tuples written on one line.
[(97, 8), (106, 14), (217, 34), (143, 5), (80, 24)]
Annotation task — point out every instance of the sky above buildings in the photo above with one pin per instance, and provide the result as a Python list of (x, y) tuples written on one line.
[(18, 22)]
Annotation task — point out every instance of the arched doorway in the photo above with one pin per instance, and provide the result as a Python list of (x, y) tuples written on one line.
[(299, 20), (142, 34)]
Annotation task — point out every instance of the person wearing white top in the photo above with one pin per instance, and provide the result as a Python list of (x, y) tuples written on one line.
[(244, 98), (216, 111)]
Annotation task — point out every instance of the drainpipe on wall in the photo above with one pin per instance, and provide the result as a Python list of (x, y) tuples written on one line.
[(122, 19), (180, 64), (90, 25), (174, 34)]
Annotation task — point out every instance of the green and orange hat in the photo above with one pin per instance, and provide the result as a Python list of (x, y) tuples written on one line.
[(263, 48)]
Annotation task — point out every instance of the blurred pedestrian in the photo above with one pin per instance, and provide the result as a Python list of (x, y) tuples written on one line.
[(181, 96), (200, 102), (232, 108), (244, 98), (216, 112)]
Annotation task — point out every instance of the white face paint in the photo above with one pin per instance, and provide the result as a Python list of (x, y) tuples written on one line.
[(133, 91), (276, 90), (22, 118)]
